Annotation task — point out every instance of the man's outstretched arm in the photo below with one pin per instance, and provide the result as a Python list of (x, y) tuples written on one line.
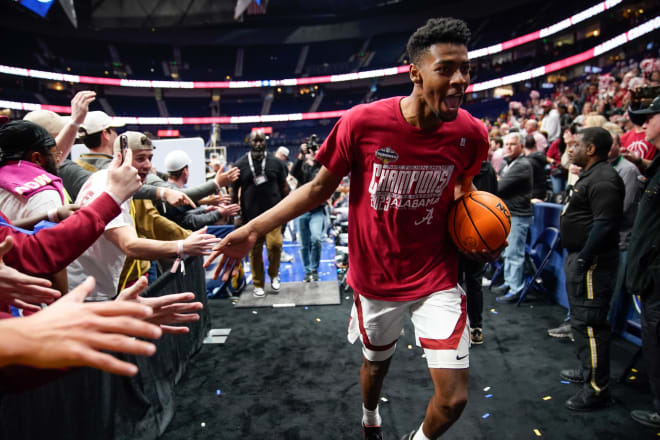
[(237, 244)]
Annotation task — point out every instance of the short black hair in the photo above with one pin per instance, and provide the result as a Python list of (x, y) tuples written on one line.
[(93, 140), (530, 142), (437, 30), (599, 137)]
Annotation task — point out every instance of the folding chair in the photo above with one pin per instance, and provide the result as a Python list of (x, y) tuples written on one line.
[(538, 255)]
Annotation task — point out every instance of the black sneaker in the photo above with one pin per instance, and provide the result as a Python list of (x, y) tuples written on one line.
[(647, 418), (315, 276), (589, 400), (409, 436), (574, 375), (372, 432), (308, 278), (476, 335)]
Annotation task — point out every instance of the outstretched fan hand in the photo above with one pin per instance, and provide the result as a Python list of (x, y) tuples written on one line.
[(231, 250)]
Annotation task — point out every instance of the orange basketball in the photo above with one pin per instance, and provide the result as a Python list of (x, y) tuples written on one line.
[(479, 220)]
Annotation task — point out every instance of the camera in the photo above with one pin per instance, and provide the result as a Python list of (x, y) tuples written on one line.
[(310, 144)]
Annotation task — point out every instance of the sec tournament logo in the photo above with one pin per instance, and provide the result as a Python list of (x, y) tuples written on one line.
[(387, 155)]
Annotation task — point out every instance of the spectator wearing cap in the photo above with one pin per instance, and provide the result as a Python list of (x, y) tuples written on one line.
[(100, 135), (643, 270), (551, 122), (29, 184), (282, 153), (177, 164), (105, 258)]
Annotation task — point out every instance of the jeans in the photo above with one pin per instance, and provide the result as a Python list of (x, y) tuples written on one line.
[(310, 231), (514, 254), (558, 184)]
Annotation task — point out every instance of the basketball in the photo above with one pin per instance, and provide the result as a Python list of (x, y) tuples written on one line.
[(479, 220)]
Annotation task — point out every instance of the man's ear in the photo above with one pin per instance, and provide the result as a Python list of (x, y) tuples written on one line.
[(38, 158), (591, 150), (415, 75)]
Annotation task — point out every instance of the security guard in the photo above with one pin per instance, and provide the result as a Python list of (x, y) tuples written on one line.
[(590, 233), (643, 272)]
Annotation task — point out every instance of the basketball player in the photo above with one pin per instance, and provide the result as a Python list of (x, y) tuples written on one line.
[(409, 157)]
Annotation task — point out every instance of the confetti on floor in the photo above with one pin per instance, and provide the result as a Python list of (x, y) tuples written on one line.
[(218, 392), (565, 382), (384, 399), (306, 308), (486, 389), (634, 370), (485, 416), (203, 425), (254, 312), (318, 319), (488, 396), (409, 347), (632, 377), (547, 398), (537, 432)]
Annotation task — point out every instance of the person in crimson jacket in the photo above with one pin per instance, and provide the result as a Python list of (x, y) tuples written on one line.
[(409, 159)]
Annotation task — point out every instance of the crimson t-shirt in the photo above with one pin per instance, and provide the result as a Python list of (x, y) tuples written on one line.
[(402, 185), (636, 142)]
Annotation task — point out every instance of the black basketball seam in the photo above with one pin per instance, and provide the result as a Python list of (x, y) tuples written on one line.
[(467, 211), (494, 213)]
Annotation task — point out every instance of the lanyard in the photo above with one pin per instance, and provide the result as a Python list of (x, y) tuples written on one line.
[(263, 165)]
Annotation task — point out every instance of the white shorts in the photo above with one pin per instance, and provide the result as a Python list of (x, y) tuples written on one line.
[(440, 322)]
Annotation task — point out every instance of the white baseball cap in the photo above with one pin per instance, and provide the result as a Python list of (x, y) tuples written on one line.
[(98, 121), (176, 160), (51, 121)]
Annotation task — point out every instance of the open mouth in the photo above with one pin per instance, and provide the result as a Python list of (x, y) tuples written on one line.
[(453, 102)]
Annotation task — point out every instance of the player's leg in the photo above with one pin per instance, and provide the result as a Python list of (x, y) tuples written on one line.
[(441, 328), (378, 325), (449, 398)]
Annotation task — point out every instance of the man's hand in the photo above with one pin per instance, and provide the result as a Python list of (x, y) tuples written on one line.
[(199, 243), (20, 290), (213, 199), (574, 169), (227, 177), (177, 198), (175, 308), (80, 105), (231, 250), (631, 156), (71, 333), (66, 211), (229, 210), (123, 178)]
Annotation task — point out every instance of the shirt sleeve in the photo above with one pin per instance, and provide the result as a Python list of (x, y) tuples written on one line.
[(335, 153), (481, 147), (42, 202)]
